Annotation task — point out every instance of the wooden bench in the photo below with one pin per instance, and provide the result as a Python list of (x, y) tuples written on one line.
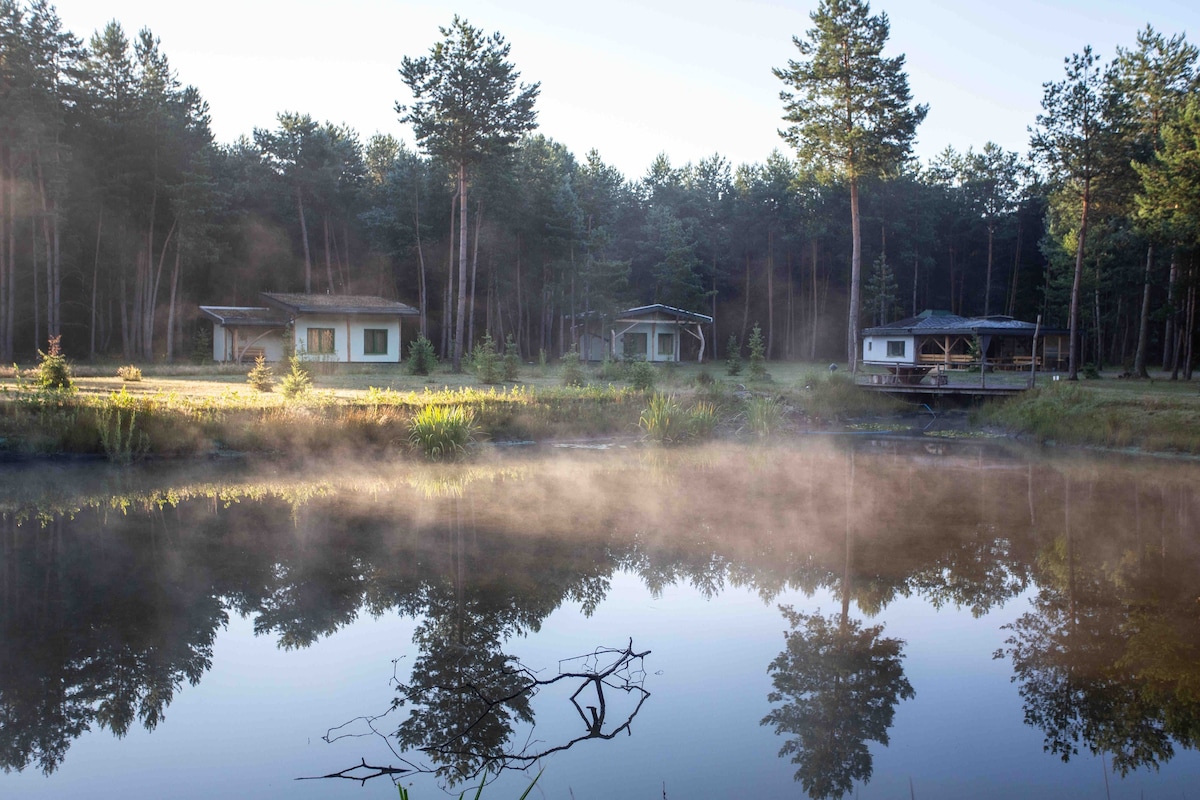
[(251, 354)]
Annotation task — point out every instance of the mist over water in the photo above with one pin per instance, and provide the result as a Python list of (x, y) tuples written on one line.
[(842, 615)]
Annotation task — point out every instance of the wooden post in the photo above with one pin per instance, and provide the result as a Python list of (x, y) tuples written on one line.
[(1033, 361)]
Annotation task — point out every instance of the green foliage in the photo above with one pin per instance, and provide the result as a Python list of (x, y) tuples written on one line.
[(610, 370), (764, 415), (297, 383), (54, 372), (836, 685), (261, 378), (572, 370), (733, 356), (758, 358), (662, 420), (512, 360), (421, 358), (129, 373), (486, 361), (202, 345), (881, 291), (702, 420), (442, 432), (120, 438), (641, 375)]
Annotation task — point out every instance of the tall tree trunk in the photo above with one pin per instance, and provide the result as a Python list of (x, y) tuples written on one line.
[(328, 255), (1190, 337), (448, 296), (855, 276), (151, 299), (95, 282), (770, 293), (474, 274), (171, 306), (459, 328), (421, 261), (916, 278), (37, 306), (5, 235), (987, 283), (746, 304), (1073, 361), (1011, 308), (1169, 333), (304, 240), (522, 334), (812, 345)]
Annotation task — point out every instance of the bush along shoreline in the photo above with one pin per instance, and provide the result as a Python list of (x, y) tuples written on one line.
[(47, 411)]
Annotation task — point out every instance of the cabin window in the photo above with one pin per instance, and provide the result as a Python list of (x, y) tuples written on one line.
[(320, 341), (666, 344), (895, 349), (375, 342), (635, 344)]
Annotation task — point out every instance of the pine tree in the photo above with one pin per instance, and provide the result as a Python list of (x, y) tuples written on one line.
[(850, 111)]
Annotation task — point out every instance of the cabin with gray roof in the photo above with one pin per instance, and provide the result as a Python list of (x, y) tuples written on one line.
[(342, 328), (658, 333), (911, 347)]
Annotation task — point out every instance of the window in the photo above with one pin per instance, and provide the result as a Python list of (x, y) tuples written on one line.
[(320, 341), (666, 344), (375, 342), (635, 344), (895, 349)]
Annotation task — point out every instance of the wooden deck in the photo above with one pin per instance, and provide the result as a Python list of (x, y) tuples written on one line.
[(952, 384)]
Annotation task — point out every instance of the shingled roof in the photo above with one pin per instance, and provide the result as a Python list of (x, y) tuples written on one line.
[(937, 323), (337, 304), (669, 311)]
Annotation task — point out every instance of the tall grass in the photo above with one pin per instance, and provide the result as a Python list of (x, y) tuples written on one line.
[(764, 416), (662, 420), (442, 432)]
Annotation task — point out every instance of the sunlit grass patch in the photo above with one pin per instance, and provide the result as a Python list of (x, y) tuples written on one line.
[(442, 432)]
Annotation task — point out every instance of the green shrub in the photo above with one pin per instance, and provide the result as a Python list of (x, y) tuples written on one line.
[(572, 370), (702, 419), (129, 373), (641, 376), (486, 362), (733, 356), (261, 378), (296, 383), (661, 420), (512, 360), (610, 370), (202, 346), (120, 438), (421, 358), (764, 415), (758, 358), (441, 431), (54, 372)]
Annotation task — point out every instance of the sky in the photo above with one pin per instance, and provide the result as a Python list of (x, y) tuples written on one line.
[(630, 79)]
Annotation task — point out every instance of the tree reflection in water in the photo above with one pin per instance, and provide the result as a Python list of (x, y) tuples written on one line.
[(1109, 657), (839, 684), (105, 616)]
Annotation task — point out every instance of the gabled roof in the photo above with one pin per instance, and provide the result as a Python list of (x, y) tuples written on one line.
[(337, 304), (245, 315), (943, 322), (669, 311)]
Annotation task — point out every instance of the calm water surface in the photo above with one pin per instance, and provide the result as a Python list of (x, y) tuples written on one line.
[(877, 618)]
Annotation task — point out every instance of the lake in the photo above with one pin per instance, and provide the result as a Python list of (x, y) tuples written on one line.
[(861, 615)]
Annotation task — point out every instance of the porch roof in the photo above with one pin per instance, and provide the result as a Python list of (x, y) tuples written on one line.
[(250, 316), (658, 309)]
